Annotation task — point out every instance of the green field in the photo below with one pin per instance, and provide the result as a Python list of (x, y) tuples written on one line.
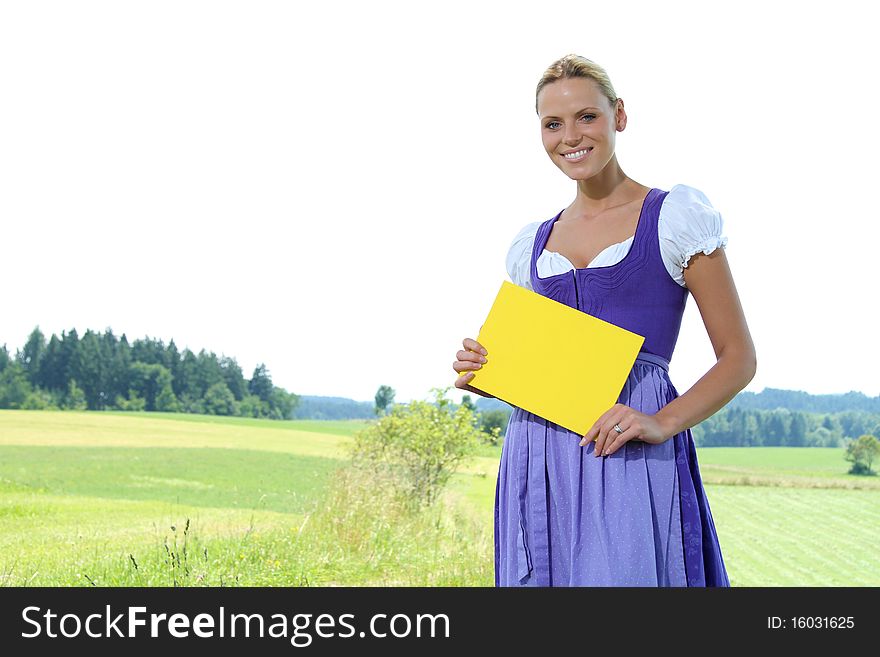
[(162, 499)]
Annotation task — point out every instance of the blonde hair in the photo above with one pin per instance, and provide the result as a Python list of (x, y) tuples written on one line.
[(575, 66)]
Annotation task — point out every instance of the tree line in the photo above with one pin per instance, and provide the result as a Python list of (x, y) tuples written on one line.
[(739, 427), (796, 400), (732, 426), (735, 426), (100, 371), (315, 407)]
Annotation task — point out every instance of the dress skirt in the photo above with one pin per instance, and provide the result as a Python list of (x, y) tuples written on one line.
[(638, 517)]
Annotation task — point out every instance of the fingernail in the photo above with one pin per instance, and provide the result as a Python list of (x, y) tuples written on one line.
[(482, 360), (583, 442), (485, 353)]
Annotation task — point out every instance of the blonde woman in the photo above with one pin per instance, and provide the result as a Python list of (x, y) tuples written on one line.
[(623, 505)]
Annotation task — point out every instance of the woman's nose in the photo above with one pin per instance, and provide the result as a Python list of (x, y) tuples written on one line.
[(571, 136)]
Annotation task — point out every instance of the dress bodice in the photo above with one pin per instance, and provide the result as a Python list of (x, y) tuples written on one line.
[(636, 293)]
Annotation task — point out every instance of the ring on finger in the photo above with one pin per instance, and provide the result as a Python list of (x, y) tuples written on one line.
[(618, 429)]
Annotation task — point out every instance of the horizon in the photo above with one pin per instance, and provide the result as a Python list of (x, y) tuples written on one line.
[(477, 398), (182, 348)]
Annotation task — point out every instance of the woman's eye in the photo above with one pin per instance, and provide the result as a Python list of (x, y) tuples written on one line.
[(552, 125)]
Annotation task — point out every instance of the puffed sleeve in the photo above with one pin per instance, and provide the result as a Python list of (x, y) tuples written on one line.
[(519, 256), (688, 224)]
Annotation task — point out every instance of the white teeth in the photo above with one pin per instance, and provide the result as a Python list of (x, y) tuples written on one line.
[(577, 154)]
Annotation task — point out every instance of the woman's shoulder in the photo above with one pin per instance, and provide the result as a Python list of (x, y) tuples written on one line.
[(519, 254), (687, 207), (688, 224), (686, 197), (526, 232)]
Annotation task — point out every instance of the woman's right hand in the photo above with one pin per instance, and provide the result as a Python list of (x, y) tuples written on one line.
[(470, 358)]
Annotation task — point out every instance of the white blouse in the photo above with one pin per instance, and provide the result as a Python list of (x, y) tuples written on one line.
[(688, 224)]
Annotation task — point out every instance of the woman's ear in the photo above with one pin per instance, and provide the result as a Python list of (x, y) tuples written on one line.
[(620, 115)]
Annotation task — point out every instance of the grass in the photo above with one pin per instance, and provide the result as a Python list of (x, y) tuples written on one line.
[(340, 541), (797, 537), (117, 429), (221, 478), (807, 467), (60, 540), (142, 500), (330, 427), (151, 499)]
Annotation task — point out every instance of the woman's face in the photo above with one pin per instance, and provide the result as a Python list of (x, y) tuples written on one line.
[(578, 120)]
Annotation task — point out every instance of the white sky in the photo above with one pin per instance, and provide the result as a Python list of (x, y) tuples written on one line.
[(331, 188)]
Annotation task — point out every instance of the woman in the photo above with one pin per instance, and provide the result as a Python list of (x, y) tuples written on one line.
[(623, 505)]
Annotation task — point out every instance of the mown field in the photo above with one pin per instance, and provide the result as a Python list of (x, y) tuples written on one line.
[(170, 499)]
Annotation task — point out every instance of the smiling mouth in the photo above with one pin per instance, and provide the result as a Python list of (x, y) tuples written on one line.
[(577, 155)]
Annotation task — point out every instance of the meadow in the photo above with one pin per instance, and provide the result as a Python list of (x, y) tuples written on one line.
[(153, 499)]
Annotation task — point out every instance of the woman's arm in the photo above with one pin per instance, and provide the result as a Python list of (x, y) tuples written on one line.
[(709, 279)]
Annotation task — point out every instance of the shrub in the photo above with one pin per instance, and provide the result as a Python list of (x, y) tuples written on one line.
[(861, 453), (219, 400), (166, 401), (14, 386), (419, 445), (75, 398), (253, 406), (39, 400), (133, 403), (492, 424), (191, 404)]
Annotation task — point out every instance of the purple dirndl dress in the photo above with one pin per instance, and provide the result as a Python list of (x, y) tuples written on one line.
[(639, 517)]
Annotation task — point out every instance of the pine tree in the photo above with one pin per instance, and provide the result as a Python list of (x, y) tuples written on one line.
[(261, 383)]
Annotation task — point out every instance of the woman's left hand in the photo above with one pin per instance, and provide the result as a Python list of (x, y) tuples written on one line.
[(635, 426)]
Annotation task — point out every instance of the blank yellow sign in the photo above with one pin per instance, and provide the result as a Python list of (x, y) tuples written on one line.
[(553, 360)]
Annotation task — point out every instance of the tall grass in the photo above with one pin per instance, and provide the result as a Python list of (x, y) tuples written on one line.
[(359, 533)]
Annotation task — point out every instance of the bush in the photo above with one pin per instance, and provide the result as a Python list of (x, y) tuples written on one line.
[(219, 400), (493, 424), (418, 445), (252, 406), (133, 403), (75, 398), (861, 453), (282, 403), (14, 386), (191, 404), (166, 401), (40, 400)]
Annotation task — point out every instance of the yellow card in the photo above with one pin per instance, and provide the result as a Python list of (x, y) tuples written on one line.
[(553, 360)]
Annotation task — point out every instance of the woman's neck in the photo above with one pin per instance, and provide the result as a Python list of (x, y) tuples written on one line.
[(609, 188)]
